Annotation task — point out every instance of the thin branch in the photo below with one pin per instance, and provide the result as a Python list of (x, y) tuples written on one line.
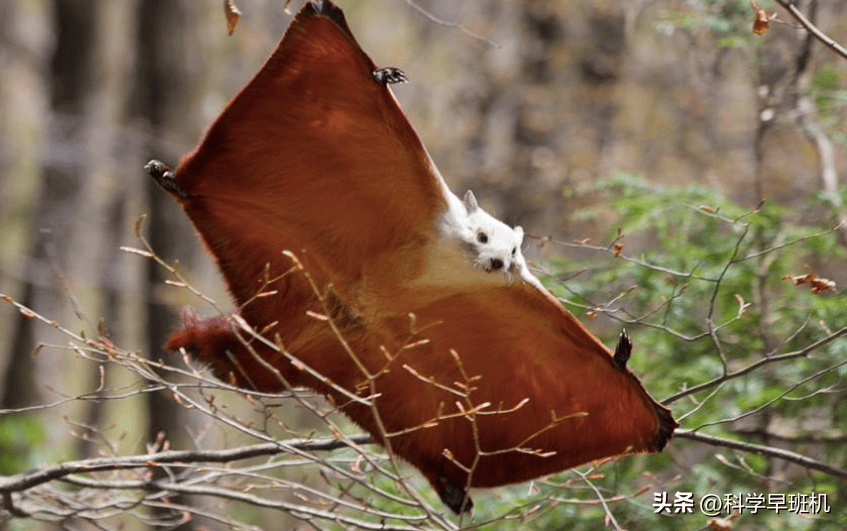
[(449, 24), (769, 451), (303, 512), (32, 478), (601, 499), (789, 243), (755, 365), (811, 28), (774, 399), (811, 438), (228, 521), (252, 499)]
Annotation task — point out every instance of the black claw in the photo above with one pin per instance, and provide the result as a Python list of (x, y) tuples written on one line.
[(329, 10), (622, 351), (162, 174), (389, 76), (454, 496)]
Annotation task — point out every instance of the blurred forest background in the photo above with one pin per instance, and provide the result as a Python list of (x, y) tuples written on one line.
[(659, 125)]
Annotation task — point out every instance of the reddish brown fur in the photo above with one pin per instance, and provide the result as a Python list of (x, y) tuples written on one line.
[(314, 157)]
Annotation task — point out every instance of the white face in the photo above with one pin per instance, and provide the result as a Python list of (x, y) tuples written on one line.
[(496, 245)]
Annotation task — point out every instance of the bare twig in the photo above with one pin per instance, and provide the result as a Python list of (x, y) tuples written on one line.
[(601, 499), (756, 365), (299, 510), (449, 24), (811, 28), (32, 478), (775, 399), (768, 451), (807, 117)]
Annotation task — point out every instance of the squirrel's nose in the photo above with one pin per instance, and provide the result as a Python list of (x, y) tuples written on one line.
[(496, 263)]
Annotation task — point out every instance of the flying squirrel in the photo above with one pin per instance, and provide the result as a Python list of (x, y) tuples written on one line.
[(371, 283)]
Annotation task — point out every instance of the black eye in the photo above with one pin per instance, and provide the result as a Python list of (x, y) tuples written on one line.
[(482, 237), (514, 249)]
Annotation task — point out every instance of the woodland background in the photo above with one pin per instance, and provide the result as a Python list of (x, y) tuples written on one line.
[(656, 125)]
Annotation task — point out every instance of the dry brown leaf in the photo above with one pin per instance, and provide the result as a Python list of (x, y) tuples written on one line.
[(618, 248), (762, 19), (818, 285), (232, 15)]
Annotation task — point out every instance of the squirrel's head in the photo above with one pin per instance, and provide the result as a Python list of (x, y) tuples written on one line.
[(497, 246)]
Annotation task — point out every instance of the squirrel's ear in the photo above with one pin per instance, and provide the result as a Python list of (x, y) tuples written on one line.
[(519, 233), (471, 205)]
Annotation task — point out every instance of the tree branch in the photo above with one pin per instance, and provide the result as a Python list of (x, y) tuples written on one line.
[(449, 24), (768, 451), (32, 478), (755, 365), (301, 511), (811, 28)]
